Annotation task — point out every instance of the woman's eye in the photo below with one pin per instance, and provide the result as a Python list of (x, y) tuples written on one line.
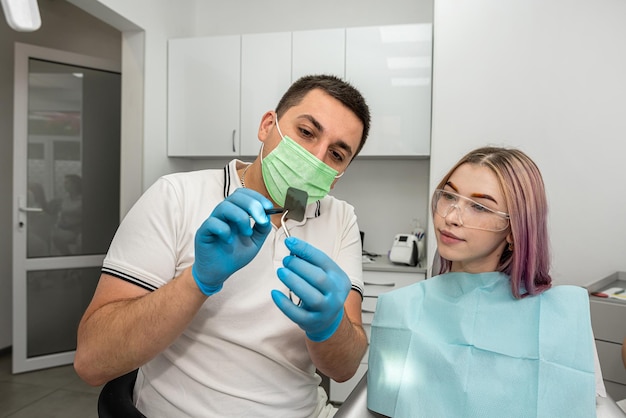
[(480, 208), (448, 196)]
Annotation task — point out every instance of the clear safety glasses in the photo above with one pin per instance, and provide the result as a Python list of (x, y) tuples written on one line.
[(470, 213)]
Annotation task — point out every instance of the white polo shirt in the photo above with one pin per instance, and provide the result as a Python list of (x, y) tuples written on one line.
[(240, 356)]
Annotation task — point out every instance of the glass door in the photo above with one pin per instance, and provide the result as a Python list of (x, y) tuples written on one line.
[(66, 196)]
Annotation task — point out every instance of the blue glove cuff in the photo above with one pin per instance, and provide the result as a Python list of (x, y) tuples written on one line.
[(325, 334), (207, 290)]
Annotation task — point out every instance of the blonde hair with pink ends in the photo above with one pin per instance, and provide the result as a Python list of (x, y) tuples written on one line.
[(528, 262)]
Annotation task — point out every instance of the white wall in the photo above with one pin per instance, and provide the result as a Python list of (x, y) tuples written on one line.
[(547, 76), (250, 16), (387, 195)]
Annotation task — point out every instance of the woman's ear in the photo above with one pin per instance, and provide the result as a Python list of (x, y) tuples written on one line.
[(509, 240), (267, 124)]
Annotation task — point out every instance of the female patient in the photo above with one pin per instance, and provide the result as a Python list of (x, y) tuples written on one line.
[(488, 336)]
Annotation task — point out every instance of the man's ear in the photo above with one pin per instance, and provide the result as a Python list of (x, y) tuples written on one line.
[(267, 124)]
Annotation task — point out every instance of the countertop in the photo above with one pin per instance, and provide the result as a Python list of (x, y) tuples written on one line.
[(382, 263), (599, 288)]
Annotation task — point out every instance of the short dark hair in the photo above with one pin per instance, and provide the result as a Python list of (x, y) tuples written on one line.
[(335, 87)]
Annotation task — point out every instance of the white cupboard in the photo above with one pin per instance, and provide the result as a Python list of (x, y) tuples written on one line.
[(318, 52), (265, 76), (203, 96), (392, 67), (220, 87)]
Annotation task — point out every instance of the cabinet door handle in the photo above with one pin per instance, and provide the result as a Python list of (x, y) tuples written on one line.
[(380, 284), (367, 311), (233, 140)]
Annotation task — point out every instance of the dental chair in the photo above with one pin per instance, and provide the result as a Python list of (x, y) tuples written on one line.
[(355, 405)]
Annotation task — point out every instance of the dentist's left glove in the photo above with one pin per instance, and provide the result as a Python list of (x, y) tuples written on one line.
[(227, 241), (321, 286)]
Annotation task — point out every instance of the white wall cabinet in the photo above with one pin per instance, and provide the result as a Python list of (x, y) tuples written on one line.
[(265, 76), (392, 67), (203, 96), (318, 52), (220, 87), (376, 283)]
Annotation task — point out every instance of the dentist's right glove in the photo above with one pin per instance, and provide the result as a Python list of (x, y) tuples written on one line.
[(227, 241)]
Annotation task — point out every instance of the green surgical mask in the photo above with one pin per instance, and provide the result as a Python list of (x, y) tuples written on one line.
[(291, 165)]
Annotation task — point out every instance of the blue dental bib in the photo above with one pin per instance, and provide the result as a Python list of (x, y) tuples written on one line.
[(460, 345)]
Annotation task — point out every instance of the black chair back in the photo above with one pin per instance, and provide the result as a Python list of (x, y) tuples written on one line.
[(116, 398)]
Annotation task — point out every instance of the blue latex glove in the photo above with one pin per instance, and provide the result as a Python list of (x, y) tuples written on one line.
[(319, 283), (226, 241)]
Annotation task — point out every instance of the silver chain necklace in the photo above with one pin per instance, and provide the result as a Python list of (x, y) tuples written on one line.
[(243, 175)]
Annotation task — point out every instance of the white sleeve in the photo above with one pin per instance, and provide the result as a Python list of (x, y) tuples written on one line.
[(350, 254), (144, 250)]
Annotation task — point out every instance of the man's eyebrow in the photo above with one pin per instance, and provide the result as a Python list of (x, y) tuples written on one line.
[(345, 146), (341, 143), (314, 121)]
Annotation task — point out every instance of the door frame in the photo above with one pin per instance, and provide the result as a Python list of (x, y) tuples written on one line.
[(21, 264)]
